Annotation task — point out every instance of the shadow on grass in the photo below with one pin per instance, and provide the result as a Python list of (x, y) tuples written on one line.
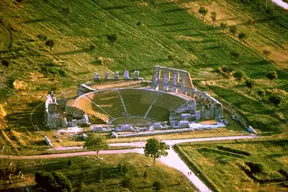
[(176, 10), (167, 24), (35, 21), (72, 52)]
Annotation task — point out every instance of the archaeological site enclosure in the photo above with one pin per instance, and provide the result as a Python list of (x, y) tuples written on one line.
[(169, 101)]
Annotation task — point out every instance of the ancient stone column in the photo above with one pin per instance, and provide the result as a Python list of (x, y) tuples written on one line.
[(96, 76), (183, 80), (107, 75), (126, 74), (166, 79), (175, 81), (116, 75), (136, 74)]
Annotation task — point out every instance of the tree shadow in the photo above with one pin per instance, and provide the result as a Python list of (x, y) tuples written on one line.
[(176, 10), (167, 24), (35, 21), (72, 52), (115, 7)]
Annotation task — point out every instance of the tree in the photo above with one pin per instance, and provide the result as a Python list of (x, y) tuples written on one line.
[(266, 53), (128, 183), (250, 84), (50, 43), (155, 149), (203, 11), (53, 181), (242, 36), (271, 76), (99, 176), (95, 143), (275, 99), (233, 30), (223, 26), (112, 38), (239, 75), (82, 187), (69, 163), (235, 55), (157, 186), (214, 17)]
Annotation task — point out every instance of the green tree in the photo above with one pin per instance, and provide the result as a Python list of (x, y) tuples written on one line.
[(155, 149), (99, 176), (235, 55), (250, 84), (112, 38), (95, 143), (266, 53), (275, 99), (233, 30), (223, 26), (242, 36), (50, 43), (69, 163), (214, 17), (157, 186), (82, 187), (128, 183), (239, 75), (203, 11), (54, 181), (272, 76)]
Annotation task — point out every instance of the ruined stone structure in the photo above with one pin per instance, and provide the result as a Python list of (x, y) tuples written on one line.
[(54, 116), (170, 79), (201, 105)]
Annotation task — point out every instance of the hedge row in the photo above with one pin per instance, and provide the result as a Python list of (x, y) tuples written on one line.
[(205, 149), (196, 170), (233, 150)]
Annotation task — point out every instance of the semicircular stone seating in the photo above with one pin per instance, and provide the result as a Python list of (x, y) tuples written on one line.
[(115, 103)]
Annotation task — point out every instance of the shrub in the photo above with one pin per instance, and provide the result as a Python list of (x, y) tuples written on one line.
[(261, 93), (112, 38), (50, 43), (275, 99), (128, 183), (255, 167), (42, 37), (157, 185), (139, 23), (5, 63)]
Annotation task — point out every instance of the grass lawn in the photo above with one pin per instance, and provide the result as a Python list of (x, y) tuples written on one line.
[(85, 169), (224, 168)]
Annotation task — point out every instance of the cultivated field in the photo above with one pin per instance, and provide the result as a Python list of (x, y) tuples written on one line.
[(240, 165)]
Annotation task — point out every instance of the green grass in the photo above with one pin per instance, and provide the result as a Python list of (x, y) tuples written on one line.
[(166, 29), (85, 169), (223, 167)]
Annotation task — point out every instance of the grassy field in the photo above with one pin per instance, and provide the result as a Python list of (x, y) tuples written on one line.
[(145, 35), (85, 169), (226, 169)]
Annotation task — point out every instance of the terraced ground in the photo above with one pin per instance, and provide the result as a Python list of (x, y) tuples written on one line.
[(223, 163)]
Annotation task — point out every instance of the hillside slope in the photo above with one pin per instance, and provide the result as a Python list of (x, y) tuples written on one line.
[(113, 35)]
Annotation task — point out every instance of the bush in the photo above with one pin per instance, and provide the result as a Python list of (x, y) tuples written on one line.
[(157, 185), (5, 63), (112, 38), (128, 183), (275, 99), (50, 43), (255, 167), (53, 181), (227, 69)]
